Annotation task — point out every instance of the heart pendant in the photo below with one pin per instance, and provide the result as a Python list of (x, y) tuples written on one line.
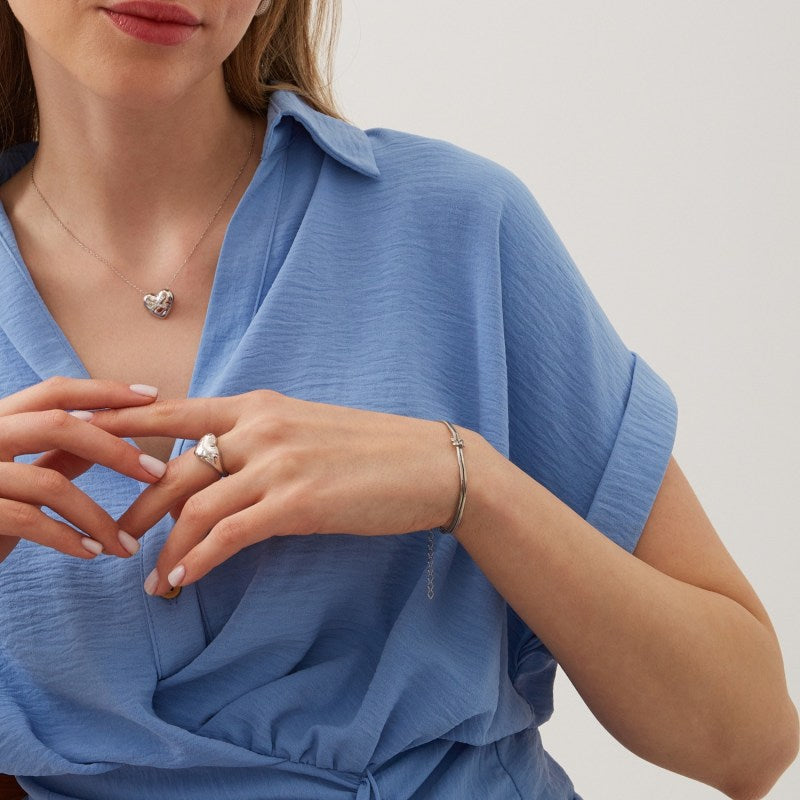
[(159, 304)]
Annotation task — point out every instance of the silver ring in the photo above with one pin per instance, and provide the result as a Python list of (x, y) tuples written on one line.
[(207, 450)]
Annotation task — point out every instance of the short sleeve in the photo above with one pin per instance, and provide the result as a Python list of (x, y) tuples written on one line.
[(588, 418)]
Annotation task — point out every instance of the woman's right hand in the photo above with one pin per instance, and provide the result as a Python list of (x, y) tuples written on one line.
[(36, 420)]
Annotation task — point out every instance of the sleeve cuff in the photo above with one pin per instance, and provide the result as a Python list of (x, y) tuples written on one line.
[(639, 458)]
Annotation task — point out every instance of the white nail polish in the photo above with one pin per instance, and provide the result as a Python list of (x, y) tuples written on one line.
[(176, 576), (155, 467), (143, 388), (128, 542), (151, 582), (84, 415), (92, 545)]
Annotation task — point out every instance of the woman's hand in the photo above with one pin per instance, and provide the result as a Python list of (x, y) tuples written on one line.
[(36, 420), (296, 467)]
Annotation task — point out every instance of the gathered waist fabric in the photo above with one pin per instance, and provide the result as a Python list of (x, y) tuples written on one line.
[(515, 767)]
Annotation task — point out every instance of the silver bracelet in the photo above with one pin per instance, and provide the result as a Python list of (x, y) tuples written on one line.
[(458, 443)]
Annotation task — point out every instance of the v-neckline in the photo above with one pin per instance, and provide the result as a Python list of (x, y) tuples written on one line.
[(30, 326)]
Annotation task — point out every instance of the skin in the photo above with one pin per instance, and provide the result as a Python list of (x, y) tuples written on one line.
[(647, 638), (36, 420), (159, 121)]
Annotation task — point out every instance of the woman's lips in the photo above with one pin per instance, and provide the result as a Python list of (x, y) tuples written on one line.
[(156, 23)]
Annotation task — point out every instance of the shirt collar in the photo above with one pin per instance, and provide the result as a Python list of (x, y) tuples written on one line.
[(341, 140)]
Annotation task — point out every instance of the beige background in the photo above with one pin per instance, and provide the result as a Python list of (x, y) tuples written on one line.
[(661, 141)]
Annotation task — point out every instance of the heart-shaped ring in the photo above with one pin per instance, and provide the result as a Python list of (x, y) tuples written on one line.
[(207, 450)]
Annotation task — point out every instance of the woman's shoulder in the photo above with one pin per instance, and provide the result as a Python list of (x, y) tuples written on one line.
[(429, 166), (449, 185)]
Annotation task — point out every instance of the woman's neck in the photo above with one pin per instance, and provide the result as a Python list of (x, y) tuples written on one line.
[(140, 186)]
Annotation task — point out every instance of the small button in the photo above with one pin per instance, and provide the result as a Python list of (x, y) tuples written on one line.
[(173, 592)]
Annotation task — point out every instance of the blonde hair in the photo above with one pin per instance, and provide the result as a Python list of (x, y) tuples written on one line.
[(280, 50)]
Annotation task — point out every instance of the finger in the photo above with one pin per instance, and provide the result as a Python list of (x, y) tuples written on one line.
[(28, 522), (201, 513), (68, 464), (38, 431), (30, 484), (175, 511), (186, 418), (7, 544), (226, 538), (77, 393), (185, 475)]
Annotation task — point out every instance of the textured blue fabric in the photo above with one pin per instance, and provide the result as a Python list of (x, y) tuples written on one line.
[(381, 270)]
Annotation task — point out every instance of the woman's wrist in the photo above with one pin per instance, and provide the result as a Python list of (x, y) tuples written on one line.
[(484, 468)]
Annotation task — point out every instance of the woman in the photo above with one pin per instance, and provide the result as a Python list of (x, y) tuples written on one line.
[(285, 343)]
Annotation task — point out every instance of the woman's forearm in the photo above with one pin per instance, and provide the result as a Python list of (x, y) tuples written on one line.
[(684, 677)]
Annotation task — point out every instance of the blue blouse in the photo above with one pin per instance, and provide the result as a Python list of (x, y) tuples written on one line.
[(381, 270)]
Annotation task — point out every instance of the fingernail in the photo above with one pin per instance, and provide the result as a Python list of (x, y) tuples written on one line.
[(128, 542), (85, 415), (176, 576), (92, 545), (151, 582), (145, 389), (155, 467)]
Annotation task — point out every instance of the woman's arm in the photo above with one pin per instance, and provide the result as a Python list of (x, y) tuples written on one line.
[(671, 649)]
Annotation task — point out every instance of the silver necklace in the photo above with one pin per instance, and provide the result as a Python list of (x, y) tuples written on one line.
[(160, 303)]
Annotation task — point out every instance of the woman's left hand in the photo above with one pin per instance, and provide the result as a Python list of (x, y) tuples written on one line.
[(295, 467)]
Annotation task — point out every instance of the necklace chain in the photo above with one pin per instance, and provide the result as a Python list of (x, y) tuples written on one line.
[(197, 243)]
